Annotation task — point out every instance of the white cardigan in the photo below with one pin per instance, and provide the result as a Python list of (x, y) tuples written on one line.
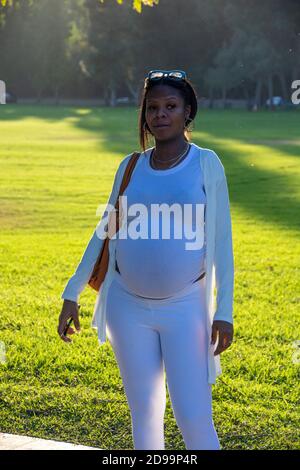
[(219, 255)]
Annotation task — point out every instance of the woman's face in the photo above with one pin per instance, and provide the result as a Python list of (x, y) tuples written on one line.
[(165, 107)]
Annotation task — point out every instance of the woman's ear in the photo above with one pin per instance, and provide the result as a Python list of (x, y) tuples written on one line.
[(188, 109)]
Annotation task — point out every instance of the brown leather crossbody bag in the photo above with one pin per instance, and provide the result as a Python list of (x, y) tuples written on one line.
[(101, 265)]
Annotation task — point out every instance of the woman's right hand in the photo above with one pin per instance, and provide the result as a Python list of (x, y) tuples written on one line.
[(69, 309)]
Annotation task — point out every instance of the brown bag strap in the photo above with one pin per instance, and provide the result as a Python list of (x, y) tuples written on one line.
[(101, 265), (127, 175), (128, 171)]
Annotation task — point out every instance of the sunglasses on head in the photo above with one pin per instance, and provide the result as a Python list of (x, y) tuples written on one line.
[(173, 74)]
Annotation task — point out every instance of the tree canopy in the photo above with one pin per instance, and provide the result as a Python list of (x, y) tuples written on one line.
[(136, 4), (91, 48)]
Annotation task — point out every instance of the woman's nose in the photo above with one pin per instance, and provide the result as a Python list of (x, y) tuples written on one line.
[(161, 112)]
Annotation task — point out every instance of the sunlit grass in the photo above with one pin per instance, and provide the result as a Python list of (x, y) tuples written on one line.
[(57, 166)]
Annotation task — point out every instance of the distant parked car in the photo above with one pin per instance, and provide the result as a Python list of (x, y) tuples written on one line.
[(276, 101), (10, 97), (123, 100)]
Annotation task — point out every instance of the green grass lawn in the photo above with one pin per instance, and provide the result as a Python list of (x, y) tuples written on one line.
[(57, 166)]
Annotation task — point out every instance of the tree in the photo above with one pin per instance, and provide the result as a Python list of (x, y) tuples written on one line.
[(136, 4), (109, 44), (260, 45), (103, 47), (227, 71)]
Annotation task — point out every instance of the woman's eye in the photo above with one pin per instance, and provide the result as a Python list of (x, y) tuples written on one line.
[(172, 106)]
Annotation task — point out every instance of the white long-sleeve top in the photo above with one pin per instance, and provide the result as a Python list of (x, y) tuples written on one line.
[(160, 249), (219, 253)]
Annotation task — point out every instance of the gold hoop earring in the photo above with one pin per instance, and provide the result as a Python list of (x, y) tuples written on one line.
[(188, 121), (146, 129)]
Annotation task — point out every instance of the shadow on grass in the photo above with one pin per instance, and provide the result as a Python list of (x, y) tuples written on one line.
[(266, 194)]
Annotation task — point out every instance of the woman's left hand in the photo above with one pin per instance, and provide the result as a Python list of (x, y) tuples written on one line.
[(225, 331)]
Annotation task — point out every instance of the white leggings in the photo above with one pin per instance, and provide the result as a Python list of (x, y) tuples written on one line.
[(151, 337)]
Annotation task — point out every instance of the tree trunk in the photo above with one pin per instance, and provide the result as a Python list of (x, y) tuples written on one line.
[(211, 97), (295, 73), (257, 98), (39, 95), (271, 107), (224, 95), (106, 97), (133, 92), (247, 97), (56, 95), (246, 92), (113, 96), (282, 79)]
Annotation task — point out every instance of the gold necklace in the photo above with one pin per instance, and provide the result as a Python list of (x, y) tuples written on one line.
[(177, 159)]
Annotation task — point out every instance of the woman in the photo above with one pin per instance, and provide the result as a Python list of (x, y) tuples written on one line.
[(156, 302)]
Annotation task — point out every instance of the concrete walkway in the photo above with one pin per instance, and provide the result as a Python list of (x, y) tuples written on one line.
[(16, 442)]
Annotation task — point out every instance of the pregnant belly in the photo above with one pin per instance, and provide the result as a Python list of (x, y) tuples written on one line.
[(158, 268)]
